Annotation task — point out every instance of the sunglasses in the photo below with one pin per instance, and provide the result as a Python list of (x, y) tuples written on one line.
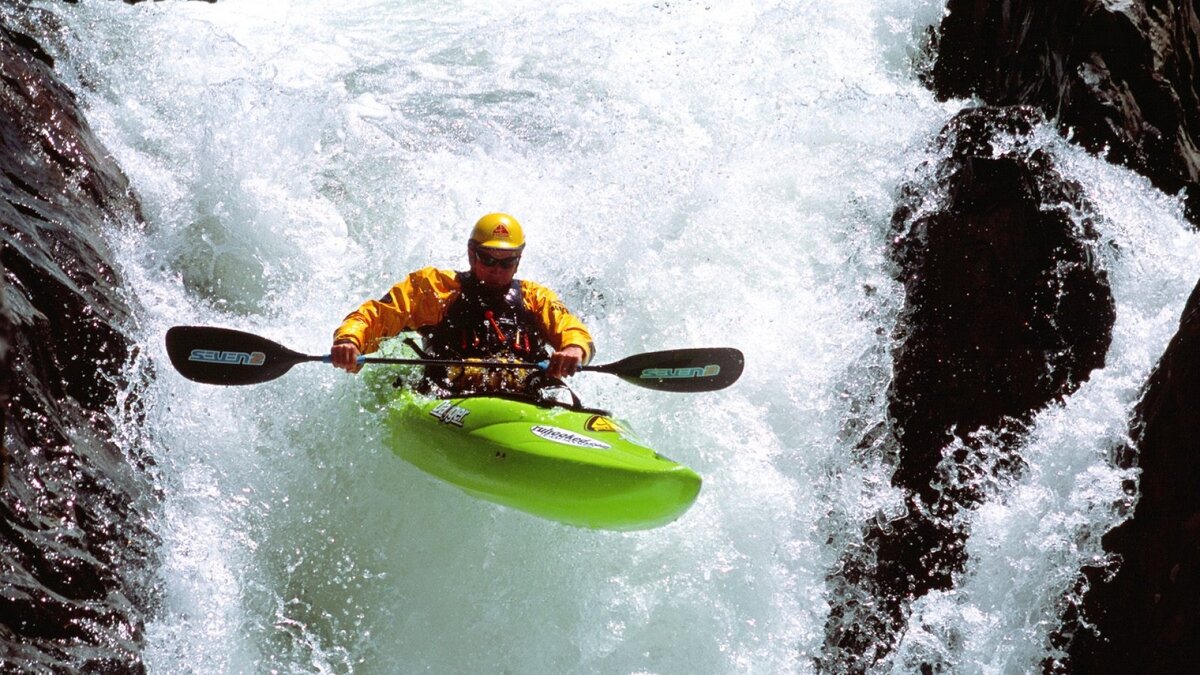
[(489, 261)]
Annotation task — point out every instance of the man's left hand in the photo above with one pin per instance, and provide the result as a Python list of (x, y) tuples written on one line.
[(565, 362)]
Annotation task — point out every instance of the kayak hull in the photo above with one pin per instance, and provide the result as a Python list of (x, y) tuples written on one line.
[(574, 466)]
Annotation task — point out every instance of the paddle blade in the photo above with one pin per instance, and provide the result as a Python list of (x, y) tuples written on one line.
[(225, 356), (681, 370)]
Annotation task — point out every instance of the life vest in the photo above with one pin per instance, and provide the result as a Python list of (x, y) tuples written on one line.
[(484, 324)]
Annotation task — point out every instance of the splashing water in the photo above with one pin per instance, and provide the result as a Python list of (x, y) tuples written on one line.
[(688, 174)]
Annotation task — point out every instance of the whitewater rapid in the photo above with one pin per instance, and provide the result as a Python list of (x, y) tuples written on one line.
[(688, 174)]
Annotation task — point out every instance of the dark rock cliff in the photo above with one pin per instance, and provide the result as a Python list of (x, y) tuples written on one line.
[(74, 540), (1146, 617), (1005, 312), (1121, 80)]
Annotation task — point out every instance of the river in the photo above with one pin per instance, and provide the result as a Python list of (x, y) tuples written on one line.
[(688, 174)]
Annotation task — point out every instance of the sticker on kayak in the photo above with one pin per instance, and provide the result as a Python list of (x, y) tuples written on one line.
[(448, 413), (601, 423), (568, 437), (680, 373), (235, 358)]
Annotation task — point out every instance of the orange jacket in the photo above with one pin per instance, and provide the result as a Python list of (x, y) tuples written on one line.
[(424, 297)]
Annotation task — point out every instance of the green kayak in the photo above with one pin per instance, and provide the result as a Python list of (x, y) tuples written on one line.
[(562, 462)]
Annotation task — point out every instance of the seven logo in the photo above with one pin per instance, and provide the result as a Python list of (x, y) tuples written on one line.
[(230, 358), (680, 373)]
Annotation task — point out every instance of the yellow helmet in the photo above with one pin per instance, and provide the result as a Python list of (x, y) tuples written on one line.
[(498, 230)]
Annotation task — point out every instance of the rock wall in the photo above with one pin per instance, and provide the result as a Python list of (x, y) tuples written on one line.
[(1119, 78), (1146, 618), (74, 539), (1005, 312)]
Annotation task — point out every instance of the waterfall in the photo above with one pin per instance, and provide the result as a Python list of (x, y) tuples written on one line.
[(688, 174)]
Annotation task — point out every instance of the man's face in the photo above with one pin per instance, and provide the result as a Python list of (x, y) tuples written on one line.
[(493, 267)]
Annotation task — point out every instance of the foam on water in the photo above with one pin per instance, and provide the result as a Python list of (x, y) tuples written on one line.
[(689, 174)]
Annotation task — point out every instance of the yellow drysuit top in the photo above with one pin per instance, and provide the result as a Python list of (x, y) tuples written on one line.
[(424, 297)]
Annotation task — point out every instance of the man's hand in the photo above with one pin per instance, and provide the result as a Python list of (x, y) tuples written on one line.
[(345, 356), (566, 362)]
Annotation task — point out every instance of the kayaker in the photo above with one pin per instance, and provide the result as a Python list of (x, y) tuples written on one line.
[(483, 313)]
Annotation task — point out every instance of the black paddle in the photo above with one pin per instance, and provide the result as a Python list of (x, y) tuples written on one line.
[(224, 356)]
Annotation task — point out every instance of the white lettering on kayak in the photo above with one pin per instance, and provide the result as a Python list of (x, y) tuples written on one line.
[(448, 413), (568, 437)]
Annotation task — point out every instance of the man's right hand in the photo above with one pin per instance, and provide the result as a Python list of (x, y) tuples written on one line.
[(345, 356)]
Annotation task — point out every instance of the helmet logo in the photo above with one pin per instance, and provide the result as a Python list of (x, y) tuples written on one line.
[(498, 230)]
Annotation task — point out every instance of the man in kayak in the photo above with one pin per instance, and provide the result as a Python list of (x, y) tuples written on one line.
[(483, 313)]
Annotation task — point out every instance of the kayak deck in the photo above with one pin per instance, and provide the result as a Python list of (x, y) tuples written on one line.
[(571, 465)]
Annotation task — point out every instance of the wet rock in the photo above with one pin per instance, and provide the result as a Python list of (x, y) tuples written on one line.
[(1145, 618), (6, 382), (1006, 311), (1120, 78), (74, 541)]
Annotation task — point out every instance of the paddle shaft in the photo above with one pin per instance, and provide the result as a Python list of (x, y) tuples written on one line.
[(363, 360), (509, 365)]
